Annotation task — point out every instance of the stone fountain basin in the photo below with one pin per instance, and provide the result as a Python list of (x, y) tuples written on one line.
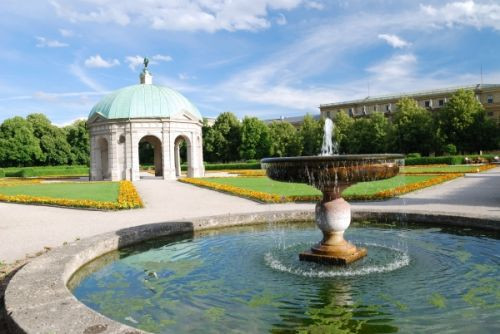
[(327, 171)]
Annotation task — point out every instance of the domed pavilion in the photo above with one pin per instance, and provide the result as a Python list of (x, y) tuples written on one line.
[(130, 116)]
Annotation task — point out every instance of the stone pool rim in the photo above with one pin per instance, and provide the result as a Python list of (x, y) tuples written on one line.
[(37, 299)]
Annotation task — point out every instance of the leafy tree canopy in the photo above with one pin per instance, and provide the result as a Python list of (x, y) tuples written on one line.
[(285, 139)]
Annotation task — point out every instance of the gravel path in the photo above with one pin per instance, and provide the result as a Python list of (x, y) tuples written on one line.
[(27, 229)]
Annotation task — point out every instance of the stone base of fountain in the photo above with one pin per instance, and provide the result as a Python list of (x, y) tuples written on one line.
[(332, 218), (335, 258)]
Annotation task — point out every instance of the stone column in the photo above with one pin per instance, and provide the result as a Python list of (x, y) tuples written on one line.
[(135, 155), (95, 153), (113, 155), (169, 166)]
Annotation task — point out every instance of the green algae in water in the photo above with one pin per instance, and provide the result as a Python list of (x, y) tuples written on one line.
[(222, 281), (215, 313), (463, 256), (437, 300)]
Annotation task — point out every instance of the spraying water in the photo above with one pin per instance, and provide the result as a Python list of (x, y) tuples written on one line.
[(329, 147)]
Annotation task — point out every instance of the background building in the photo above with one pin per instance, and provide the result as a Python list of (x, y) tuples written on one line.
[(488, 95), (295, 120)]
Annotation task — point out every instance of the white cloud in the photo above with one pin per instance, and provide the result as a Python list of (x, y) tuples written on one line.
[(314, 5), (195, 15), (158, 57), (281, 19), (80, 74), (66, 32), (184, 76), (134, 61), (98, 61), (394, 41), (49, 43), (397, 67), (470, 13)]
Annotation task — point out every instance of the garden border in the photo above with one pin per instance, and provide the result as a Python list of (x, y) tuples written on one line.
[(37, 299)]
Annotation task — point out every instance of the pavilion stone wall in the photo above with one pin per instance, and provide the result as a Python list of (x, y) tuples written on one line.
[(123, 138)]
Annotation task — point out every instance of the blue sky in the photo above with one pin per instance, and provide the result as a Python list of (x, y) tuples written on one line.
[(263, 58)]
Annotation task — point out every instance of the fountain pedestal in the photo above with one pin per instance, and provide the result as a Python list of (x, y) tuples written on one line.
[(333, 217), (332, 174)]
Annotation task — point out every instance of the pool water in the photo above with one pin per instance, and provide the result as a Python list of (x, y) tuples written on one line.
[(249, 280)]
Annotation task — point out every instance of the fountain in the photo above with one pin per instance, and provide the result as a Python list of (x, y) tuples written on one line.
[(331, 173)]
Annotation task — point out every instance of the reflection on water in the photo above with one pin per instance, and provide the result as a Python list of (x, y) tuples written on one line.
[(233, 280)]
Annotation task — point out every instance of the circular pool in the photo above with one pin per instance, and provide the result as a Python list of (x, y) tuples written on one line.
[(249, 279)]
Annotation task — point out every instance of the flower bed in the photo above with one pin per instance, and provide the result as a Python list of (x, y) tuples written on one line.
[(247, 172), (128, 198), (15, 182), (256, 195), (274, 198)]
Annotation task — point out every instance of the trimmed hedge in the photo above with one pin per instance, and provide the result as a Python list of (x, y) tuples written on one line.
[(448, 160), (233, 165), (2, 173), (28, 172), (46, 171)]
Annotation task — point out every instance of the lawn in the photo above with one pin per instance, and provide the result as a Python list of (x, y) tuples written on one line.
[(95, 191), (443, 169), (370, 188), (266, 190), (264, 184)]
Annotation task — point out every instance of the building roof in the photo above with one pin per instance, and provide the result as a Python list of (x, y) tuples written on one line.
[(144, 101), (293, 119), (448, 90)]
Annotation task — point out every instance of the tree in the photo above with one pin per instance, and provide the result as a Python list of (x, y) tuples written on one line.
[(311, 133), (77, 136), (222, 140), (457, 117), (18, 144), (53, 142), (414, 129), (285, 139), (209, 140), (255, 142), (369, 134), (482, 134), (343, 124)]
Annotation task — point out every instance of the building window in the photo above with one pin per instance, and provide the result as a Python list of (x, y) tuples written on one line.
[(351, 112), (388, 107), (428, 103), (441, 102), (490, 99), (374, 108), (364, 110), (490, 113)]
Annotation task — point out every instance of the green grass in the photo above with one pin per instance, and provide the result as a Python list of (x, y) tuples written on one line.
[(369, 188), (44, 171), (267, 185), (264, 184), (439, 169), (98, 191)]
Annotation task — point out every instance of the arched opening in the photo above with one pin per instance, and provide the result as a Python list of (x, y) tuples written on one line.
[(103, 171), (182, 154), (150, 155)]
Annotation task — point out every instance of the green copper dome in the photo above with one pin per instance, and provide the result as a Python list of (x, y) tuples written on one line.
[(144, 101)]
